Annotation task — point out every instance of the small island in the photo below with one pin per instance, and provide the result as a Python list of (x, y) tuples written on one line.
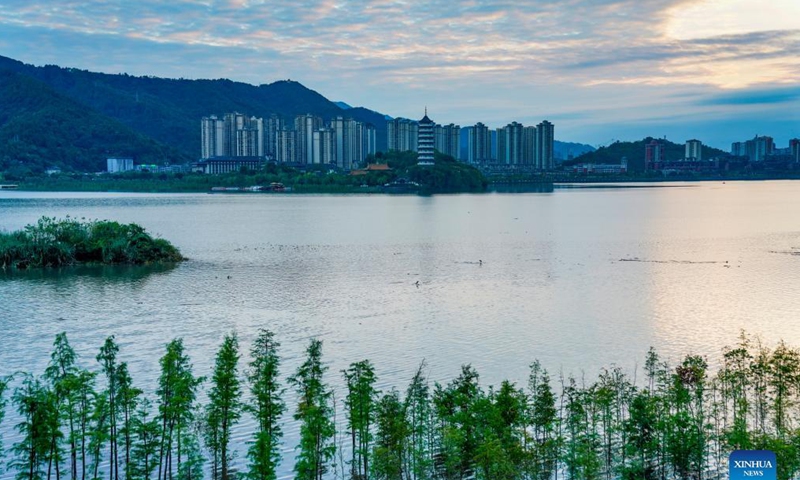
[(65, 242)]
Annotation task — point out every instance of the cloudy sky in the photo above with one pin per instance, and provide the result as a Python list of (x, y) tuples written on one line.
[(720, 70)]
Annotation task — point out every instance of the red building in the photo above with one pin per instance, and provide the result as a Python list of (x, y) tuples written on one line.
[(653, 155)]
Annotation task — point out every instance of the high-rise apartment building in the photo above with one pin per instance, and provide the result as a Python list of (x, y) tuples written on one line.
[(286, 146), (759, 147), (271, 127), (353, 142), (654, 154), (794, 149), (234, 135), (233, 122), (509, 144), (250, 138), (447, 139), (694, 151), (755, 149), (325, 145), (212, 133), (545, 140), (344, 142), (370, 139), (479, 144), (401, 135), (305, 126), (528, 154)]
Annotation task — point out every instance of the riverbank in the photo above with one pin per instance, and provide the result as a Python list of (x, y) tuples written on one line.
[(340, 184)]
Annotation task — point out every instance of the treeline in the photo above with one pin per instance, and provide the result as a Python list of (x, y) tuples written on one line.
[(446, 175), (310, 181), (635, 151), (681, 423)]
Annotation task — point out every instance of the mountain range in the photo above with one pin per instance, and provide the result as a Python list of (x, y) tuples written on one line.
[(73, 119)]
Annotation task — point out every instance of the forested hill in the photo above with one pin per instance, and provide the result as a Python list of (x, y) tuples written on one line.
[(169, 110), (635, 151), (40, 128)]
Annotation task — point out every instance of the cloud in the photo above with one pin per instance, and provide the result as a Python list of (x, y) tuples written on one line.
[(755, 97), (469, 60)]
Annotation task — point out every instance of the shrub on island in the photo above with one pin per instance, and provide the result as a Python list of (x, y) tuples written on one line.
[(55, 242)]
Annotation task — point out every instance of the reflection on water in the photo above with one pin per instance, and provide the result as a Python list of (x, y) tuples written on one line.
[(82, 273), (504, 279), (521, 187)]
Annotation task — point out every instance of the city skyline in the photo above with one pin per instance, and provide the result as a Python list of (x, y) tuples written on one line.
[(346, 143), (603, 70)]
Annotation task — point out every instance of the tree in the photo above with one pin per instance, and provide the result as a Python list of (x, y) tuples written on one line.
[(83, 398), (128, 400), (360, 401), (192, 467), (314, 414), (642, 438), (145, 448), (3, 386), (542, 455), (501, 428), (419, 415), (37, 408), (686, 439), (59, 373), (458, 425), (99, 431), (108, 361), (784, 377), (391, 439), (267, 407), (224, 407), (177, 390), (581, 454)]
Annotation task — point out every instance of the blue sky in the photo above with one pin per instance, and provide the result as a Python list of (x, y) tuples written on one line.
[(719, 70)]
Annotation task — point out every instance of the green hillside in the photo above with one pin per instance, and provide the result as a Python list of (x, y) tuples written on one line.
[(635, 151), (40, 128), (169, 110)]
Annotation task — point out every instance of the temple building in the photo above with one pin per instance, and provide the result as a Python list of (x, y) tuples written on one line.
[(425, 141)]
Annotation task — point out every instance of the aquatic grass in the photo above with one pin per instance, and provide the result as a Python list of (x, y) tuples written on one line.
[(53, 242)]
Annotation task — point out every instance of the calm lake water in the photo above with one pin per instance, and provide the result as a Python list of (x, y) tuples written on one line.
[(577, 278)]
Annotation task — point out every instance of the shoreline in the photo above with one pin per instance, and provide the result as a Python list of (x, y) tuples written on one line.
[(494, 187)]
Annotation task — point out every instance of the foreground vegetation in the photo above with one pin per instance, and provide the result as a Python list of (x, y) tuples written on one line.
[(56, 243), (75, 422)]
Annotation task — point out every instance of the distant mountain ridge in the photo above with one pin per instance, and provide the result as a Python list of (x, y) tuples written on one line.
[(169, 110), (41, 129), (153, 119)]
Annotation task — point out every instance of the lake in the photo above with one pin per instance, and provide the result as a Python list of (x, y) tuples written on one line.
[(578, 278)]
